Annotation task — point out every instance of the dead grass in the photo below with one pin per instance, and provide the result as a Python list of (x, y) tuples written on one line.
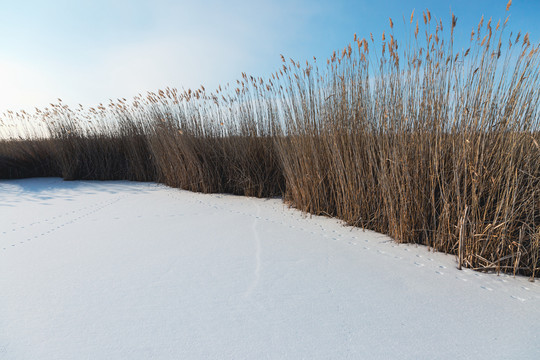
[(413, 140)]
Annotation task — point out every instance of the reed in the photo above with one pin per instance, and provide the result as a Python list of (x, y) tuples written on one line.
[(414, 140)]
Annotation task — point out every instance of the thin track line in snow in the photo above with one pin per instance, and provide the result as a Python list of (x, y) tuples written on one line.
[(257, 271), (53, 225)]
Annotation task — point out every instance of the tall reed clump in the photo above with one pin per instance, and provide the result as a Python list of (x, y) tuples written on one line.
[(104, 143), (210, 144), (25, 150), (427, 145), (27, 158), (416, 140)]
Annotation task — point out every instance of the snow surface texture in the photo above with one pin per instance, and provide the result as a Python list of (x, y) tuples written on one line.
[(122, 270)]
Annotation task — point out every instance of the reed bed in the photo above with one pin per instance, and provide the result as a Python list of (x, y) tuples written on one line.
[(418, 141)]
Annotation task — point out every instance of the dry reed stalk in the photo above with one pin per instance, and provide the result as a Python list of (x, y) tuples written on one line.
[(415, 141)]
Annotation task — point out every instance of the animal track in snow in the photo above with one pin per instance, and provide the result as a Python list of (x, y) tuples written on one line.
[(257, 271), (50, 219), (51, 225), (419, 260)]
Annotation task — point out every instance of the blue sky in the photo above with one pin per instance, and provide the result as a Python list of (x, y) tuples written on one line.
[(89, 51)]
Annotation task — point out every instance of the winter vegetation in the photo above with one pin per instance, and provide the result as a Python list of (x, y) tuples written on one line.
[(412, 139)]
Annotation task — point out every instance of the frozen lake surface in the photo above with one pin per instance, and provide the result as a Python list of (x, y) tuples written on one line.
[(124, 270)]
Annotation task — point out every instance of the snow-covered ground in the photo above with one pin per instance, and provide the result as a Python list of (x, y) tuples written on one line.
[(122, 270)]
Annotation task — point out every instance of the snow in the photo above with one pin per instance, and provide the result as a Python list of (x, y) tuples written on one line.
[(124, 270)]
